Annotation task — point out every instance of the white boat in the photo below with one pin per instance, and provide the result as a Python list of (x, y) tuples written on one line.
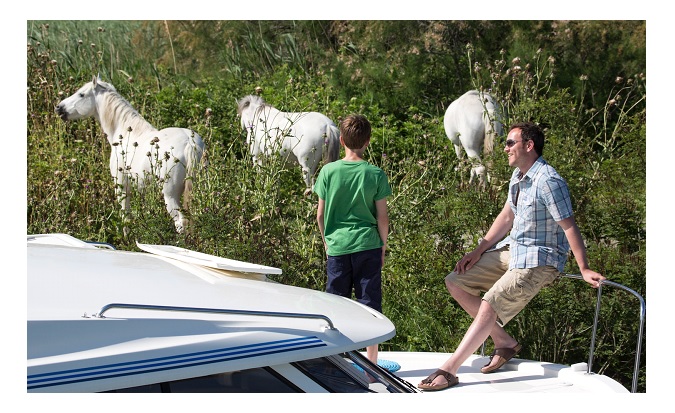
[(175, 320)]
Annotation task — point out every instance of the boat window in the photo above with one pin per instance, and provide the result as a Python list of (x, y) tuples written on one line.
[(258, 380), (352, 373), (331, 377)]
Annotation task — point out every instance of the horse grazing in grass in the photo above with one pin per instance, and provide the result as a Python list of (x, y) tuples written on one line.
[(302, 137), (138, 149), (473, 122)]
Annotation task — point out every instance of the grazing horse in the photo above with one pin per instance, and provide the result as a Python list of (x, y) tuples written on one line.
[(138, 149), (302, 137), (473, 122)]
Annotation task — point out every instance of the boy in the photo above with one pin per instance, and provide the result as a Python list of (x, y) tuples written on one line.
[(353, 220)]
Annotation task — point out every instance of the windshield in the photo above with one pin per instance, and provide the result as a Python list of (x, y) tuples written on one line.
[(352, 373)]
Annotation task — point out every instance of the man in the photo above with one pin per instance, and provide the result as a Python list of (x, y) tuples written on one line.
[(539, 221)]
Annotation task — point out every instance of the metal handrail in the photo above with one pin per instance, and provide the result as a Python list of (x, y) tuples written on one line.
[(638, 350), (214, 311), (636, 369)]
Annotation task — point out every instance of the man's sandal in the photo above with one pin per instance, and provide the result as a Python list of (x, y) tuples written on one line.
[(426, 383), (505, 354)]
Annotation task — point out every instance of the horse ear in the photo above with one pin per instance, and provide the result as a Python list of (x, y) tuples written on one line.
[(95, 79)]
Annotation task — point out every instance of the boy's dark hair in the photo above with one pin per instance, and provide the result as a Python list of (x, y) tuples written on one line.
[(355, 131), (531, 132)]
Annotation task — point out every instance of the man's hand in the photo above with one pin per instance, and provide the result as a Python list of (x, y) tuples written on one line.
[(467, 261), (592, 277)]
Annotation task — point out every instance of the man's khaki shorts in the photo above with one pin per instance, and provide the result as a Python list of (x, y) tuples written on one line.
[(507, 290)]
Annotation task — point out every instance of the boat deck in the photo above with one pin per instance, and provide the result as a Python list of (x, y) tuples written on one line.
[(517, 376)]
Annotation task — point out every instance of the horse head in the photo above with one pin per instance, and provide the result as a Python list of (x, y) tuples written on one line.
[(247, 108), (82, 104)]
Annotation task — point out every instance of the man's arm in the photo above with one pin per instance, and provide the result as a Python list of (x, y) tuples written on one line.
[(500, 227), (573, 235)]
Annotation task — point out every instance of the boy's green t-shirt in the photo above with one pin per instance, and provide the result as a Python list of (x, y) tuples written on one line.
[(350, 189)]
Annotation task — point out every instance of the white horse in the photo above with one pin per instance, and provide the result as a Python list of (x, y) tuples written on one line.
[(138, 149), (473, 121), (302, 137)]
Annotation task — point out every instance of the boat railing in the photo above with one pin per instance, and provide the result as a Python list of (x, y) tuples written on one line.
[(215, 311), (638, 350)]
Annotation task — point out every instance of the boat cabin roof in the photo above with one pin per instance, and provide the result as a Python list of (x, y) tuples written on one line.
[(98, 316)]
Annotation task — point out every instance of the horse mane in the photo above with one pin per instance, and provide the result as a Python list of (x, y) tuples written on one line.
[(118, 112)]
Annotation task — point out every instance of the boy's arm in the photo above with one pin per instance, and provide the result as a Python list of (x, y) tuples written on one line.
[(319, 220), (382, 223)]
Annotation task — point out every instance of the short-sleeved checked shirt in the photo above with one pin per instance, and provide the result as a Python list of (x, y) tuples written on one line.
[(538, 200)]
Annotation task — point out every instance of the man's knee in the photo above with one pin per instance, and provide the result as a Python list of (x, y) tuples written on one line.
[(453, 288)]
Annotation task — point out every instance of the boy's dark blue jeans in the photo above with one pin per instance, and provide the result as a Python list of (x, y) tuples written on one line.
[(360, 272)]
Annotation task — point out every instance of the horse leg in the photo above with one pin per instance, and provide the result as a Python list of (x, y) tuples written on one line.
[(478, 171), (173, 204), (458, 150), (307, 176), (123, 195)]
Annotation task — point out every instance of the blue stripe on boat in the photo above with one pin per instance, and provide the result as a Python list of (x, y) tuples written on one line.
[(59, 378)]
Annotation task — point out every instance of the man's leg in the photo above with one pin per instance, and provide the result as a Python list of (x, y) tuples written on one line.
[(478, 332), (471, 304), (481, 277)]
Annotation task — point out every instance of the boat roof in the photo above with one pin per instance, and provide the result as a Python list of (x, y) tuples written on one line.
[(98, 318)]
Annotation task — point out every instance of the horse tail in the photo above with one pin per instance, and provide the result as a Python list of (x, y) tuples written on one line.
[(333, 141), (493, 124)]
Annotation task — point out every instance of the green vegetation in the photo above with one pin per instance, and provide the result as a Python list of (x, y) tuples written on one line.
[(583, 80)]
